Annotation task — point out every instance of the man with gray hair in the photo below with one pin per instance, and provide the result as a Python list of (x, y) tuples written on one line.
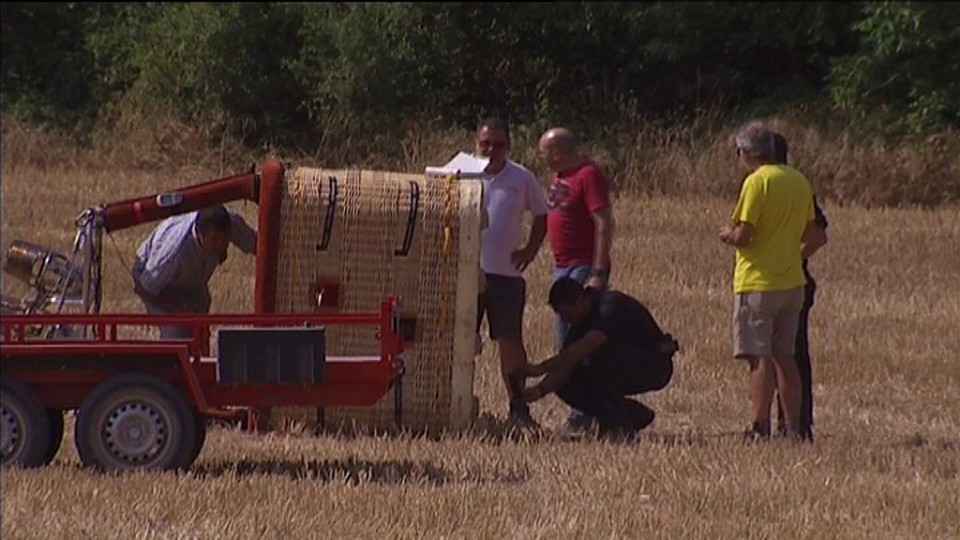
[(773, 216)]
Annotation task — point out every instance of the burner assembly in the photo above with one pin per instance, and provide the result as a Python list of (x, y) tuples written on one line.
[(60, 284), (50, 274)]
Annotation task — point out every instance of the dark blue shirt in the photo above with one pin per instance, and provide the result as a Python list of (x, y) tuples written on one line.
[(821, 219), (621, 318)]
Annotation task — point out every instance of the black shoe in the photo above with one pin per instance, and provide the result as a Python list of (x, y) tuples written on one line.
[(618, 433), (806, 429), (521, 419), (641, 415)]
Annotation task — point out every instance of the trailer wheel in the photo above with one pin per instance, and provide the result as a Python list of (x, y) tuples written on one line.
[(135, 421), (201, 420), (24, 427), (55, 418)]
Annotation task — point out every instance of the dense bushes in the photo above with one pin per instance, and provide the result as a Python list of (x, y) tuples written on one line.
[(352, 79)]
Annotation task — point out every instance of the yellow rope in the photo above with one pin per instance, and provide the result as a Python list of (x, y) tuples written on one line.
[(447, 215), (444, 315), (297, 234)]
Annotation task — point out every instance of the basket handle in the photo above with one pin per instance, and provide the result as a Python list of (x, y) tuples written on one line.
[(331, 214), (411, 220)]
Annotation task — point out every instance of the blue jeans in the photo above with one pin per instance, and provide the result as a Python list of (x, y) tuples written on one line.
[(166, 331), (580, 273)]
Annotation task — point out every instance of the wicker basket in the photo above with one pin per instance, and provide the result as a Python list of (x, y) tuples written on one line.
[(350, 238)]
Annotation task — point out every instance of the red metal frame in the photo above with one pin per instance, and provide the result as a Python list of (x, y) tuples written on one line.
[(345, 383), (62, 386), (264, 188)]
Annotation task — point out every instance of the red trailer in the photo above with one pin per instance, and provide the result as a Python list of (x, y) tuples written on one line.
[(142, 403)]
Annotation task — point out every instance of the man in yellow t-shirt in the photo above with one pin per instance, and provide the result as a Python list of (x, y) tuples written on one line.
[(772, 216)]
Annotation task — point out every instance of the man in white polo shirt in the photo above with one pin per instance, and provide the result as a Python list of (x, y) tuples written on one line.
[(508, 192)]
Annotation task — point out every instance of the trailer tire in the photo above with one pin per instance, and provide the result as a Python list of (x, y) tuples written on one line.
[(56, 434), (135, 421), (25, 428), (201, 420), (55, 417)]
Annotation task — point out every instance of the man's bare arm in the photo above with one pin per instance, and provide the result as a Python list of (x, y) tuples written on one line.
[(603, 242), (583, 347), (538, 231), (814, 238), (550, 383), (739, 235), (558, 368), (242, 234), (603, 237)]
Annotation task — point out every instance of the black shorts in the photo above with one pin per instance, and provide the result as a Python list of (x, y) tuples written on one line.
[(502, 301)]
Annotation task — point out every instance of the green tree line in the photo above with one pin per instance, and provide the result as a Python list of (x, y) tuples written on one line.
[(295, 74)]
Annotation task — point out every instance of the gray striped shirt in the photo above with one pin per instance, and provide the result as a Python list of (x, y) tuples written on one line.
[(171, 262)]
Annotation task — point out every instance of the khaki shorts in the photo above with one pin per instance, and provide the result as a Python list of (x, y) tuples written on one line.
[(765, 323)]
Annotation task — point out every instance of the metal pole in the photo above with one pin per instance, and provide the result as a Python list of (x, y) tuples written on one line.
[(398, 402)]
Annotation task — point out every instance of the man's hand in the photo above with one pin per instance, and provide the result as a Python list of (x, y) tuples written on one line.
[(534, 370), (725, 232), (533, 393), (521, 258), (739, 235)]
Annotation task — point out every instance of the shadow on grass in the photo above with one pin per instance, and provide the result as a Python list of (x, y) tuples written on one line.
[(355, 471), (486, 428), (493, 430), (918, 440)]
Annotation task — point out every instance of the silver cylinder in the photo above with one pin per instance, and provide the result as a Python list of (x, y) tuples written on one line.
[(42, 268)]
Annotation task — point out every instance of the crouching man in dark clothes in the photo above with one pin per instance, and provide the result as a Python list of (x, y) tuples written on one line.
[(614, 349)]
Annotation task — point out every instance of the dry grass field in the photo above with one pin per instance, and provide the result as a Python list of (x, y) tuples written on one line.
[(886, 463)]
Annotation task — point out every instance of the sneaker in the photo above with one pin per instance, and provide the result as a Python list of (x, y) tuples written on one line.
[(579, 422), (520, 418), (805, 435), (641, 415)]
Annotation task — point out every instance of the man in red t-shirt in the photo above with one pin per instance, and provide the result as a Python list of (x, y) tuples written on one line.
[(579, 224)]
